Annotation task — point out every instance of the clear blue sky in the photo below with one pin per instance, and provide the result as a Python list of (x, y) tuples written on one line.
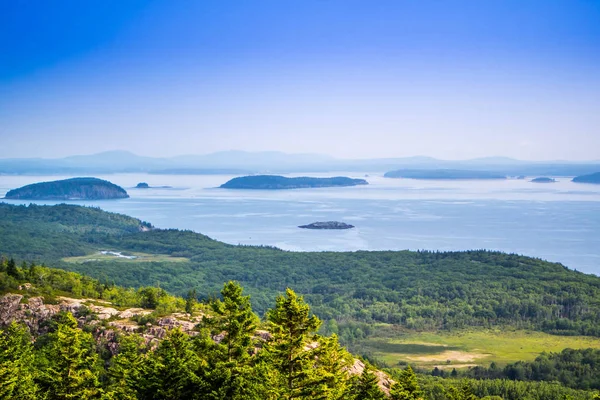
[(372, 78)]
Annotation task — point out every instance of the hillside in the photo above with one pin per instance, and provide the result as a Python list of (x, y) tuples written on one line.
[(443, 174), (280, 182), (591, 178), (96, 341), (69, 189), (357, 290)]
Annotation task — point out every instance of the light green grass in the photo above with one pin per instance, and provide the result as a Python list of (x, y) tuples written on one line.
[(472, 347), (141, 257)]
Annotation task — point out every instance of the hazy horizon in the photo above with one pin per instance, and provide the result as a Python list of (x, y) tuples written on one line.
[(323, 155), (452, 80)]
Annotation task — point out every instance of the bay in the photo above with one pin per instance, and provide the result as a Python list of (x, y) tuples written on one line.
[(557, 222)]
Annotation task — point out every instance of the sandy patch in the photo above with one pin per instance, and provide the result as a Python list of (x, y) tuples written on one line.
[(452, 355), (452, 366)]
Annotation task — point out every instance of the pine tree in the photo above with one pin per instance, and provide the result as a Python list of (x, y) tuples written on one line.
[(72, 363), (126, 369), (365, 387), (174, 370), (230, 365), (234, 319), (465, 392), (190, 301), (294, 349), (16, 364), (331, 364), (407, 387), (11, 268)]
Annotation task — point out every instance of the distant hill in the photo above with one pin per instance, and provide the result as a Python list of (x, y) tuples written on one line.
[(274, 162), (281, 182), (69, 189), (443, 174), (591, 178)]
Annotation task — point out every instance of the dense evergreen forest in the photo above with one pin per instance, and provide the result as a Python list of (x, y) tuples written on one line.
[(70, 360), (579, 369), (412, 290)]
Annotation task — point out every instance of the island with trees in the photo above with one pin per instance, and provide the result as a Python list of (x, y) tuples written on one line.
[(327, 225), (543, 179), (69, 189), (591, 178), (273, 182), (443, 174)]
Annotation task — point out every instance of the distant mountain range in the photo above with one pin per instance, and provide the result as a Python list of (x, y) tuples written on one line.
[(243, 163)]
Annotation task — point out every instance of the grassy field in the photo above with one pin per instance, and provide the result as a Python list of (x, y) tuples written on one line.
[(124, 257), (469, 348)]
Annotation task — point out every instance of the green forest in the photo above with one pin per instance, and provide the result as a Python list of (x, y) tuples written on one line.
[(357, 296), (414, 290), (68, 361)]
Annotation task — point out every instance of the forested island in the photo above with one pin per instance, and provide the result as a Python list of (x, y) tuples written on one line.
[(543, 179), (591, 178), (69, 189), (274, 182), (443, 174), (327, 225)]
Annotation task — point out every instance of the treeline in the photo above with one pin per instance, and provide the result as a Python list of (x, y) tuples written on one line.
[(414, 290), (578, 369), (435, 388), (52, 282)]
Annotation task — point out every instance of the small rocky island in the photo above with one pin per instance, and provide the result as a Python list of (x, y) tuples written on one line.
[(142, 185), (543, 179), (69, 189), (591, 178), (327, 225), (273, 182)]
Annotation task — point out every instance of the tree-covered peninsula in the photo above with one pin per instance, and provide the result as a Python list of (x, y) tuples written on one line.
[(443, 174), (271, 182), (591, 178), (69, 189)]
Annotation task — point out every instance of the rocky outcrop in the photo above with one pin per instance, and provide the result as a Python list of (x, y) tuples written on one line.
[(384, 381), (34, 312), (327, 225)]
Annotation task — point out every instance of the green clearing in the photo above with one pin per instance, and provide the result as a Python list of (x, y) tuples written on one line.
[(471, 347), (126, 257)]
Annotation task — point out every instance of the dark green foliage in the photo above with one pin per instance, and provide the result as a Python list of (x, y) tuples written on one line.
[(16, 364), (190, 301), (71, 367), (406, 387), (444, 389), (281, 182), (126, 370), (579, 369), (365, 386), (174, 370)]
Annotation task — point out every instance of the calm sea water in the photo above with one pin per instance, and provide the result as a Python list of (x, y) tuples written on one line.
[(557, 221)]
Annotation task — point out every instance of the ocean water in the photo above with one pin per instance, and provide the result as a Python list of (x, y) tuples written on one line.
[(558, 222)]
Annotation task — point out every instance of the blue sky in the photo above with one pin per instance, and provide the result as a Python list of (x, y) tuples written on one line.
[(449, 79)]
